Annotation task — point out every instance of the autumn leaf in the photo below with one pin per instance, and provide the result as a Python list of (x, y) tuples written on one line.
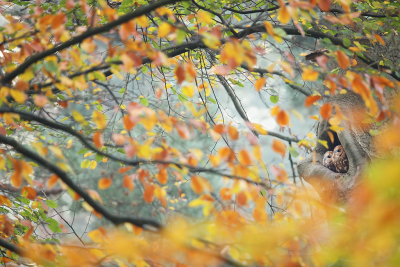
[(149, 193), (342, 59), (5, 201), (283, 14), (279, 147), (309, 74), (99, 119), (244, 157), (204, 17), (282, 118), (53, 179), (79, 118), (164, 29), (128, 183), (326, 111), (379, 38), (98, 139), (324, 5), (28, 192), (225, 193), (180, 73), (40, 100), (260, 83), (311, 100), (199, 184), (233, 133), (162, 176), (104, 183)]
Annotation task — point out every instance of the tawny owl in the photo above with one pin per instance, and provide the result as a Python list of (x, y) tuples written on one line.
[(328, 161), (340, 159)]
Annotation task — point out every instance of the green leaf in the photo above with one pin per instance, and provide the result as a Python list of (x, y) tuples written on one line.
[(144, 101), (98, 157), (83, 151), (293, 152), (121, 91), (120, 150), (51, 203), (54, 228), (212, 100), (145, 69), (274, 99), (51, 66), (51, 221), (346, 42), (182, 98), (374, 132)]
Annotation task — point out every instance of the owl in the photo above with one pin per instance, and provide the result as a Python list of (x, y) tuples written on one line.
[(328, 161), (340, 159)]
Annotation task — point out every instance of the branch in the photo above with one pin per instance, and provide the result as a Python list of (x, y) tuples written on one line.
[(86, 143), (141, 222), (78, 39), (365, 14), (10, 246)]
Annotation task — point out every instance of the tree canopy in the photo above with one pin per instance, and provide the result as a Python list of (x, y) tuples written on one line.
[(178, 125)]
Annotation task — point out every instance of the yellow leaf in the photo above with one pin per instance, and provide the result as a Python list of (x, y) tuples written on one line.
[(18, 96), (57, 151), (309, 74), (142, 21), (85, 164), (188, 90), (79, 118), (93, 164), (27, 75), (99, 119), (203, 16), (164, 29), (96, 236)]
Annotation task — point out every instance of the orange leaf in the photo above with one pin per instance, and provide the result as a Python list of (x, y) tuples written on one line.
[(242, 199), (233, 132), (225, 193), (244, 157), (162, 176), (52, 180), (342, 59), (214, 160), (128, 124), (28, 192), (199, 184), (219, 128), (379, 38), (326, 111), (283, 14), (164, 29), (126, 29), (311, 99), (148, 194), (283, 118), (16, 178), (98, 139), (309, 74), (260, 83), (124, 169), (279, 147), (104, 183), (5, 201), (128, 183)]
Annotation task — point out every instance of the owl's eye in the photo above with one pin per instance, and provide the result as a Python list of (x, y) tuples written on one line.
[(338, 150), (329, 157)]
